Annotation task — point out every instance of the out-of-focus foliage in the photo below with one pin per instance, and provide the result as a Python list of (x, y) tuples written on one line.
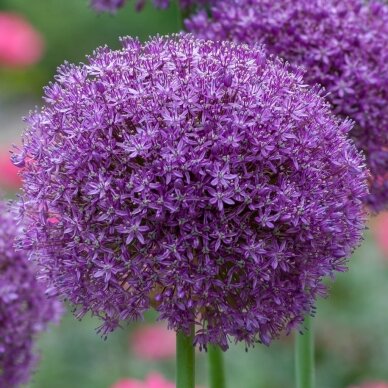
[(72, 30)]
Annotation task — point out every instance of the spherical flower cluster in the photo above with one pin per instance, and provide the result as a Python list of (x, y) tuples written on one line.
[(113, 5), (24, 309), (343, 45), (107, 5), (196, 177)]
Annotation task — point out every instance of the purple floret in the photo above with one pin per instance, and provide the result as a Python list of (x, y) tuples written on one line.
[(113, 5), (198, 178), (25, 311), (107, 5), (342, 45)]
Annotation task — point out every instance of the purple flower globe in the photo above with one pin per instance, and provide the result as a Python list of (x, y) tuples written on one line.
[(25, 311), (107, 5), (114, 5), (343, 45), (198, 178)]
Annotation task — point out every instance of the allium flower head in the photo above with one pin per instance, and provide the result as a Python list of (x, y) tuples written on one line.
[(107, 5), (113, 5), (196, 177), (343, 45), (24, 309)]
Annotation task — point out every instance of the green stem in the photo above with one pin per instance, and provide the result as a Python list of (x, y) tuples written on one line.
[(185, 360), (304, 356), (216, 367)]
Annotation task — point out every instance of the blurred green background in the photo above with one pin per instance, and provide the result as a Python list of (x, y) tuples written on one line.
[(72, 30), (351, 325)]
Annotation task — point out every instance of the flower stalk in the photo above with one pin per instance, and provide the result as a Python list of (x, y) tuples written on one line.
[(304, 356), (216, 367), (185, 360)]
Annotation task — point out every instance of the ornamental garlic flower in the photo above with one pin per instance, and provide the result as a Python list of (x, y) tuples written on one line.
[(24, 309), (113, 5), (343, 45), (107, 5), (196, 177)]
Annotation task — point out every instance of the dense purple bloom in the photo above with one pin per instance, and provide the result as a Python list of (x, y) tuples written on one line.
[(114, 5), (196, 177), (343, 45), (107, 5), (24, 309)]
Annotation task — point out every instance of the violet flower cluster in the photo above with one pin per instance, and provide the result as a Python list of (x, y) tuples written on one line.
[(196, 177), (107, 5), (25, 311), (114, 5), (343, 45)]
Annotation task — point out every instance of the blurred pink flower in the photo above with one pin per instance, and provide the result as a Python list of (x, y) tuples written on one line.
[(20, 44), (380, 230), (153, 342), (153, 380), (9, 177), (376, 384)]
